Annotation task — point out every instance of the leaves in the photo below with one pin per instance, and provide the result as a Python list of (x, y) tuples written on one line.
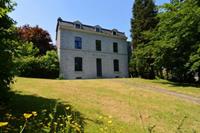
[(173, 44), (7, 45), (39, 37)]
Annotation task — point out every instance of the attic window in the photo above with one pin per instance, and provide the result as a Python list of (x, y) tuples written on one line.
[(114, 33), (98, 30), (78, 26)]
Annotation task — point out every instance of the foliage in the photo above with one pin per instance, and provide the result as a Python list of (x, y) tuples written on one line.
[(62, 119), (177, 47), (51, 62), (7, 44), (26, 49), (144, 12), (174, 43), (28, 65), (38, 36)]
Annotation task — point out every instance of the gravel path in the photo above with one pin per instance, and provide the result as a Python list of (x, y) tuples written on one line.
[(180, 95), (168, 92)]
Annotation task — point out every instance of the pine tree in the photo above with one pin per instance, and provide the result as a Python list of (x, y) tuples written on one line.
[(144, 12), (144, 20)]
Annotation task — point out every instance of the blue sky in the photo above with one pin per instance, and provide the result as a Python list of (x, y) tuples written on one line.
[(106, 13)]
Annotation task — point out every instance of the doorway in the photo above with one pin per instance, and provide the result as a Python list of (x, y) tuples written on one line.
[(99, 67)]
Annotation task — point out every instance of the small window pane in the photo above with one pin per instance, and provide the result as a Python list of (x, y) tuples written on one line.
[(78, 43), (114, 33), (97, 29), (115, 47), (98, 45), (78, 64), (116, 65), (78, 26)]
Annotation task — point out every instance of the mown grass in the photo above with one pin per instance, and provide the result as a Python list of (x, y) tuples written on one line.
[(132, 108), (184, 88)]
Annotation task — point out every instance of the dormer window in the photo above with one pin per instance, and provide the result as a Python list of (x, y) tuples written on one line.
[(78, 26), (98, 30), (114, 33)]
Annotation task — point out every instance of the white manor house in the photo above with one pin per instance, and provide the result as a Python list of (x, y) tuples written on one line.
[(87, 52)]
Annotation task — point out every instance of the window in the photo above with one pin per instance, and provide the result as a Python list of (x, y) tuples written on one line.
[(98, 30), (78, 64), (98, 45), (78, 43), (114, 33), (116, 65), (78, 26), (115, 47)]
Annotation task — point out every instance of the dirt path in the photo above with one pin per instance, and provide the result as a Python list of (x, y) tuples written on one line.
[(168, 92)]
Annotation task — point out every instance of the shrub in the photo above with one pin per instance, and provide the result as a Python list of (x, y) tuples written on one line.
[(46, 66)]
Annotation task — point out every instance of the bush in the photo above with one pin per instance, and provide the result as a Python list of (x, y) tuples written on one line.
[(51, 64), (46, 66)]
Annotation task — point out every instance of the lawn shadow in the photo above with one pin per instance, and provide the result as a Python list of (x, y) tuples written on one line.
[(177, 84), (45, 108)]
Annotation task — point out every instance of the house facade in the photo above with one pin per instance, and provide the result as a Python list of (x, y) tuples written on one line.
[(87, 52)]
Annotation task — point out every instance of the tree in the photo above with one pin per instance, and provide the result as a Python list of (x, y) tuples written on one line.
[(144, 13), (7, 42), (143, 22), (39, 37), (46, 66), (176, 40), (28, 64)]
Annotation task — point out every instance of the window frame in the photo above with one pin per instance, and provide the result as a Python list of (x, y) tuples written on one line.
[(98, 48), (98, 29), (116, 65), (78, 67), (115, 47), (78, 26), (114, 33), (78, 42)]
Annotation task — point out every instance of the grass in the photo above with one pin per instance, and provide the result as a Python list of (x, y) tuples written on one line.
[(132, 108), (193, 90)]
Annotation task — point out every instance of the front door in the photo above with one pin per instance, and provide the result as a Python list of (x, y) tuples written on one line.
[(99, 67)]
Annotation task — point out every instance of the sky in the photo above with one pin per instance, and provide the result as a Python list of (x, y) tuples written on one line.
[(108, 14)]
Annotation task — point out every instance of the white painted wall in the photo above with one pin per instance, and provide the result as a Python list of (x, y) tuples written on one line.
[(67, 53)]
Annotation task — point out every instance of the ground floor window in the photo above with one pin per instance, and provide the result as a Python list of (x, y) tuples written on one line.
[(116, 65), (78, 63)]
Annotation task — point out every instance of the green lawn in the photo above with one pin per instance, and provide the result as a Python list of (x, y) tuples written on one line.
[(192, 90), (131, 108)]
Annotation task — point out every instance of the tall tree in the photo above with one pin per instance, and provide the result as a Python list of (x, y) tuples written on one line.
[(38, 36), (144, 12), (176, 40), (7, 41), (143, 21)]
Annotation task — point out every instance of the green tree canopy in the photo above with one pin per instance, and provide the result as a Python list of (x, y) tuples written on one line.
[(144, 12), (7, 41), (144, 19), (174, 45)]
